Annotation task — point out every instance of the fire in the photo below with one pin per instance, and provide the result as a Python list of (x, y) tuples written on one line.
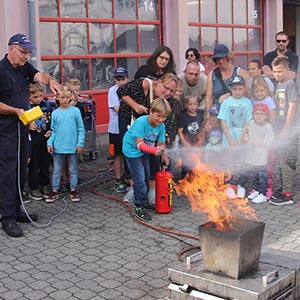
[(205, 189)]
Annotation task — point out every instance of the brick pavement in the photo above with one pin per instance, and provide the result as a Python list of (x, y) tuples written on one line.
[(96, 250)]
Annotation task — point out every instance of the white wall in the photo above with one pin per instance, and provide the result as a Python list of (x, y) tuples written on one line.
[(13, 19)]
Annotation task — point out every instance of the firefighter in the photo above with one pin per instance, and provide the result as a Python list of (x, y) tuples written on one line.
[(15, 75)]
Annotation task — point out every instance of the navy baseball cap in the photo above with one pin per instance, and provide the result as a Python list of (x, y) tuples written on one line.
[(21, 40), (121, 72), (214, 109), (237, 80), (220, 51)]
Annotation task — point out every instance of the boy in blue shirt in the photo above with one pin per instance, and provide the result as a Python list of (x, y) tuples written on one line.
[(67, 139), (146, 136)]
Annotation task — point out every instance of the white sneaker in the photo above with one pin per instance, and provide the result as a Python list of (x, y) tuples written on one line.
[(129, 197), (240, 192), (253, 194), (260, 199), (230, 193), (152, 196)]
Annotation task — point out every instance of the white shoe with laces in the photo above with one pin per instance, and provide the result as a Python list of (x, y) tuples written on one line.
[(230, 193), (129, 197), (240, 192), (260, 199), (152, 196), (253, 194)]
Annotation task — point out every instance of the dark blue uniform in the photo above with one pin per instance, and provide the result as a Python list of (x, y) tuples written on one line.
[(14, 91)]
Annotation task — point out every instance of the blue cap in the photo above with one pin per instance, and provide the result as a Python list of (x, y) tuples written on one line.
[(220, 51), (237, 80), (214, 109), (21, 40), (215, 137), (121, 72)]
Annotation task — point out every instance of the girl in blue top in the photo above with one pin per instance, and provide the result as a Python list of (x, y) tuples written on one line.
[(146, 136), (67, 139)]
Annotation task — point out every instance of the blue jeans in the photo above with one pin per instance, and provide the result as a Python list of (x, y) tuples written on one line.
[(58, 162), (139, 169)]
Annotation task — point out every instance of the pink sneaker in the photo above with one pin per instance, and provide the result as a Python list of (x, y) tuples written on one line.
[(74, 196)]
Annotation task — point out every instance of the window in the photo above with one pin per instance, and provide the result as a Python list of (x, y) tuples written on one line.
[(240, 28), (87, 39)]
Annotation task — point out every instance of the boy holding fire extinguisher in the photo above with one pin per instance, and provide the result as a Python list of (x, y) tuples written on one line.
[(146, 136)]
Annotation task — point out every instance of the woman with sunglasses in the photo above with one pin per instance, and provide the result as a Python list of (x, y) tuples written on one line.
[(218, 80), (161, 61), (193, 54)]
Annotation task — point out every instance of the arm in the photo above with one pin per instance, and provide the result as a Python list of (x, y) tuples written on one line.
[(231, 141), (209, 92), (182, 138), (46, 79), (148, 149), (10, 110), (245, 75), (289, 119), (243, 134)]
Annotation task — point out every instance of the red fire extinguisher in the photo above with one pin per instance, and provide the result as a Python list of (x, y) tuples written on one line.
[(164, 191)]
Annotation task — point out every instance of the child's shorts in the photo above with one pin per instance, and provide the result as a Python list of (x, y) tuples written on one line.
[(115, 145)]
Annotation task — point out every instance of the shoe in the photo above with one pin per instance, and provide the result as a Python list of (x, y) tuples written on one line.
[(36, 195), (120, 186), (129, 197), (240, 192), (25, 198), (12, 229), (74, 196), (141, 213), (260, 199), (230, 193), (45, 190), (253, 194), (152, 196), (22, 217), (51, 197), (284, 199)]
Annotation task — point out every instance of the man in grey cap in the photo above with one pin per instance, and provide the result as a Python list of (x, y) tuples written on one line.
[(15, 75)]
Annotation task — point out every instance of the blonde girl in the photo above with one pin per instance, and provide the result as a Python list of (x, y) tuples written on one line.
[(261, 94)]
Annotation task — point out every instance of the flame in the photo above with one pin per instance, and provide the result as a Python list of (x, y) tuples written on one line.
[(204, 187)]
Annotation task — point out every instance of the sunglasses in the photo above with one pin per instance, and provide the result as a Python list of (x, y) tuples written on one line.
[(190, 55), (281, 41)]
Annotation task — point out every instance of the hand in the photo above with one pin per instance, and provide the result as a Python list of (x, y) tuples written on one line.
[(33, 126), (48, 133), (19, 112), (165, 159), (54, 86), (50, 149), (223, 97), (141, 109), (79, 150)]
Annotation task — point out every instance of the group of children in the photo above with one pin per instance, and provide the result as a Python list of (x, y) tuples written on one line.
[(242, 128), (58, 133)]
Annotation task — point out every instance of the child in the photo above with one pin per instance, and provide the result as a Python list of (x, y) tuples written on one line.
[(38, 167), (190, 128), (286, 100), (67, 140), (261, 94), (120, 78), (235, 111), (146, 136), (259, 136), (212, 135), (254, 71)]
